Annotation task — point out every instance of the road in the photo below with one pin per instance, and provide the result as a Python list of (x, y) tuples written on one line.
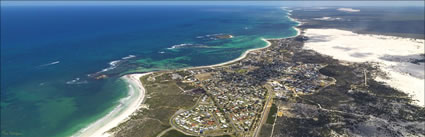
[(165, 131), (265, 113)]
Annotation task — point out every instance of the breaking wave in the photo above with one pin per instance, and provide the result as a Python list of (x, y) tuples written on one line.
[(77, 81), (179, 46), (112, 65), (129, 57), (187, 45), (48, 64), (210, 36)]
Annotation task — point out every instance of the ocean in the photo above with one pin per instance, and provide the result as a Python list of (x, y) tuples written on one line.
[(61, 65)]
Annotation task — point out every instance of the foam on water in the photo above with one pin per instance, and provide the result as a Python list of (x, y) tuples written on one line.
[(114, 64), (129, 57), (180, 45)]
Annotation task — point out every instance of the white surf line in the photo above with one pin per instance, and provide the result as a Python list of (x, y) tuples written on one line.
[(122, 112)]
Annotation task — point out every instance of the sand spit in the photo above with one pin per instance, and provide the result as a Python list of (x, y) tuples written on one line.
[(122, 112), (394, 55)]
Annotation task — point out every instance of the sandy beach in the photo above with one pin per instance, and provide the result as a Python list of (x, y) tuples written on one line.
[(234, 60), (122, 112), (394, 55), (246, 52), (294, 20), (265, 40)]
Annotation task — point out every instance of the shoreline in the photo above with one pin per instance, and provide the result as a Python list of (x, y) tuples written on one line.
[(120, 113), (242, 56), (101, 127), (101, 130), (265, 40)]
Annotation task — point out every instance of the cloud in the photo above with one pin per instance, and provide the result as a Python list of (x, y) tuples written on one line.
[(348, 10), (327, 19)]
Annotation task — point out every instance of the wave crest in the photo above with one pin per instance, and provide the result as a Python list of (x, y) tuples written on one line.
[(76, 81), (129, 57), (187, 45)]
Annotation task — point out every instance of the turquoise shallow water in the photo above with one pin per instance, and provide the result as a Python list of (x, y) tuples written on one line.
[(50, 56)]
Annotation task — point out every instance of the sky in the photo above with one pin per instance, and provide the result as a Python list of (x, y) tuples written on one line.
[(274, 3)]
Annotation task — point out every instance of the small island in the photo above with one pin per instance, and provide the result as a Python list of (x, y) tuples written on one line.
[(224, 36)]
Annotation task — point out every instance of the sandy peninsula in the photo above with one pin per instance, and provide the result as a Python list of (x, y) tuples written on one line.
[(122, 112), (394, 55)]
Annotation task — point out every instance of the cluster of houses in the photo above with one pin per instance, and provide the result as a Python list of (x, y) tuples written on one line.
[(204, 118), (303, 78), (235, 94)]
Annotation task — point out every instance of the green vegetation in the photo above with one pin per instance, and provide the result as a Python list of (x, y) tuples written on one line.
[(242, 71), (272, 114)]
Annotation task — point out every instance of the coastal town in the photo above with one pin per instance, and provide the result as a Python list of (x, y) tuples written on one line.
[(240, 69), (280, 90), (236, 95), (268, 88)]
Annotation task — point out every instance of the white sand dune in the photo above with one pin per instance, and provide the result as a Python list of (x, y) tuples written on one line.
[(393, 55)]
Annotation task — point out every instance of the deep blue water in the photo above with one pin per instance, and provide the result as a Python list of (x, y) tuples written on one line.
[(50, 55)]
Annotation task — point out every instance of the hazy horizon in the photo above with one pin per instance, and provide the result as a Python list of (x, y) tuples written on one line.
[(242, 3)]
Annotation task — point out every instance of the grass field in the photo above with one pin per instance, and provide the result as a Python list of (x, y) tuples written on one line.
[(272, 114)]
